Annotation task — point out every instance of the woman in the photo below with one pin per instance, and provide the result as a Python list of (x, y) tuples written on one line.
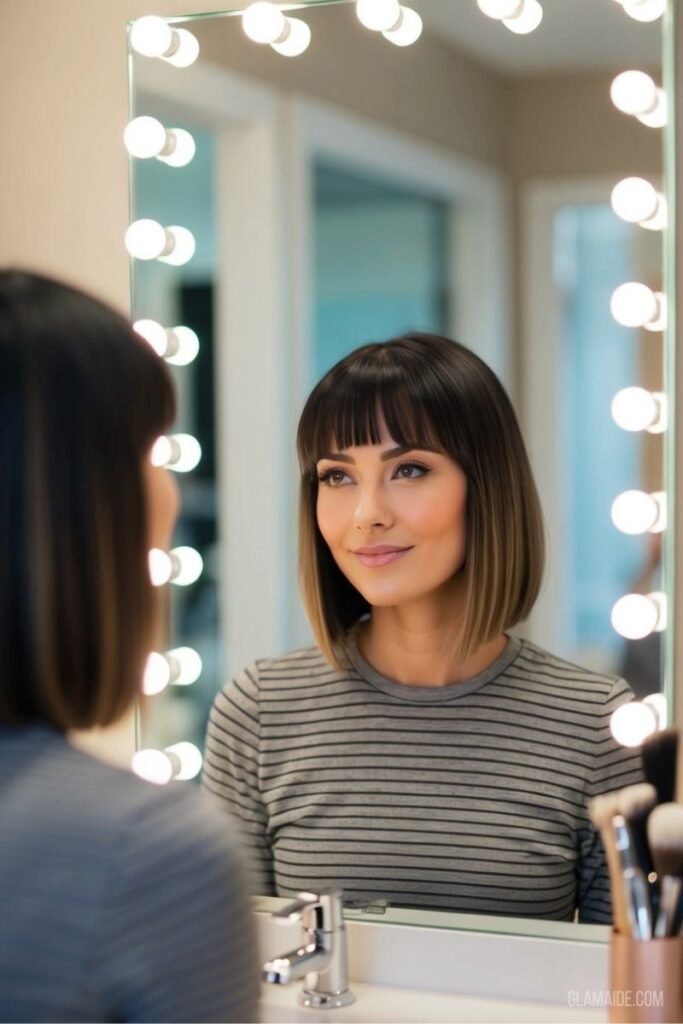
[(420, 754), (120, 901)]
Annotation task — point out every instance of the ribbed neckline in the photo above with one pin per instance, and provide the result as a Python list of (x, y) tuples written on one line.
[(449, 692)]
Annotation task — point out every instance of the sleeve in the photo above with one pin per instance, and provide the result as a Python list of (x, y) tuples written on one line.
[(231, 771), (612, 767), (178, 935)]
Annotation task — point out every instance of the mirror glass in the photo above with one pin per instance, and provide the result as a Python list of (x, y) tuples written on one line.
[(461, 186)]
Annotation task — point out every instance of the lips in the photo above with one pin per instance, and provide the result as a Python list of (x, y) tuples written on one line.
[(381, 555)]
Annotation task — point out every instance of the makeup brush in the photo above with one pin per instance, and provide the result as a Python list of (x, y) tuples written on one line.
[(602, 810), (635, 803), (659, 752), (665, 834), (635, 888)]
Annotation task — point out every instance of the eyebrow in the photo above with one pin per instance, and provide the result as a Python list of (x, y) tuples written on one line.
[(390, 453)]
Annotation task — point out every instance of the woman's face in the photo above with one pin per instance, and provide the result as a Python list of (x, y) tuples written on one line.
[(163, 504), (414, 500)]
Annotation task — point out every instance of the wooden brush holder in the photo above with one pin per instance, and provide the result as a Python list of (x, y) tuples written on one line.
[(646, 980)]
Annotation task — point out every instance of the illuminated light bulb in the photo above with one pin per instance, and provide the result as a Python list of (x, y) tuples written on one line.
[(634, 304), (637, 409), (635, 512), (635, 616), (659, 322), (660, 219), (144, 137), (409, 30), (298, 39), (179, 148), (185, 50), (153, 333), (264, 22), (152, 765), (160, 567), (183, 246), (644, 10), (179, 452), (183, 346), (186, 665), (151, 36), (657, 701), (634, 199), (157, 674), (634, 92), (660, 522), (186, 566), (146, 239), (379, 15), (527, 20), (500, 9), (189, 760), (631, 723), (658, 598), (658, 116)]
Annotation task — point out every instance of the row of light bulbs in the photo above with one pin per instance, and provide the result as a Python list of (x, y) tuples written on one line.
[(520, 16), (145, 138), (637, 201), (264, 23)]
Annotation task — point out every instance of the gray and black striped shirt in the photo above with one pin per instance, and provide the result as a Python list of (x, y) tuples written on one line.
[(469, 797)]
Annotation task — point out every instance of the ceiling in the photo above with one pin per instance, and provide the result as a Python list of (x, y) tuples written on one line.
[(575, 35)]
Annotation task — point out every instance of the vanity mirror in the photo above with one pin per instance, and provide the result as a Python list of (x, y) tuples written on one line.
[(460, 185)]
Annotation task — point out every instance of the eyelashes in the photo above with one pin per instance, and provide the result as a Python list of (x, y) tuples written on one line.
[(330, 477)]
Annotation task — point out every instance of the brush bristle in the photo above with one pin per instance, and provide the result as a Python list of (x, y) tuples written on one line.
[(665, 835), (659, 753), (602, 809), (636, 801)]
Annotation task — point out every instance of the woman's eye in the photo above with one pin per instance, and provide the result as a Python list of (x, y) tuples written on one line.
[(421, 470), (331, 477)]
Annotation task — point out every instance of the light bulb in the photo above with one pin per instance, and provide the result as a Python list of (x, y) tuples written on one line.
[(634, 199), (187, 565), (644, 10), (153, 333), (152, 765), (659, 321), (178, 149), (297, 40), (527, 20), (409, 29), (185, 50), (189, 757), (378, 15), (264, 22), (183, 246), (183, 346), (151, 36), (634, 616), (657, 701), (160, 567), (634, 512), (186, 666), (634, 304), (636, 409), (631, 723), (660, 218), (157, 674), (634, 92), (657, 117), (144, 137), (658, 598), (500, 9), (179, 452), (146, 239)]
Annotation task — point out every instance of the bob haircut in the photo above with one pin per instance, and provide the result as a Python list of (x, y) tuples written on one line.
[(431, 392), (82, 399)]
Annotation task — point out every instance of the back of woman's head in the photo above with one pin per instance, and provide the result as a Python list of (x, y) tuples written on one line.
[(431, 392), (82, 399)]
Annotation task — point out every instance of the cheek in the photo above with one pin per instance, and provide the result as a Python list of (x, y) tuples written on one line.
[(163, 498)]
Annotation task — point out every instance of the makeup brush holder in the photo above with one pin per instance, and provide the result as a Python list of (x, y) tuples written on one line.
[(646, 980)]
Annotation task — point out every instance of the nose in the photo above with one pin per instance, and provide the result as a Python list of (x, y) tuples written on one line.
[(371, 508)]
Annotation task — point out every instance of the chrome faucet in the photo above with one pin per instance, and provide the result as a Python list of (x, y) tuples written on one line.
[(323, 953)]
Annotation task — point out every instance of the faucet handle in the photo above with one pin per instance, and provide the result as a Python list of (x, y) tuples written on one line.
[(294, 910), (322, 912)]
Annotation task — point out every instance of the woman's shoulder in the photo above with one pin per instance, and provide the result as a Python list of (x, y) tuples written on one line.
[(571, 679), (283, 671)]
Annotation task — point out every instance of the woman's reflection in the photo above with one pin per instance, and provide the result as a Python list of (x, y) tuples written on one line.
[(420, 754)]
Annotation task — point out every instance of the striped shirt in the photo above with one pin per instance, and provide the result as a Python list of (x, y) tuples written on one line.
[(119, 900), (469, 797)]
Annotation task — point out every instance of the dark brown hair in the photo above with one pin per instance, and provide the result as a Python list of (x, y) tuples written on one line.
[(431, 392), (82, 399)]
